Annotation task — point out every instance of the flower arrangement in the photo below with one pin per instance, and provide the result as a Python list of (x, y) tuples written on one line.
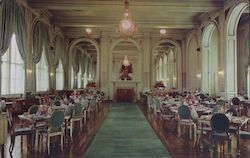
[(159, 84), (91, 85)]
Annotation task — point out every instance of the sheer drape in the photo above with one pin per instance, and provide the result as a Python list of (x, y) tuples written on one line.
[(76, 54), (59, 76), (12, 75), (42, 74), (72, 78), (59, 62), (87, 62)]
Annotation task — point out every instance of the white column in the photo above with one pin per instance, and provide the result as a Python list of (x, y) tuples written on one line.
[(231, 67), (205, 70), (146, 63), (104, 66)]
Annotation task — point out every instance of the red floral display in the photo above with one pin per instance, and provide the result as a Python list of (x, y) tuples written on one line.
[(159, 84), (91, 85)]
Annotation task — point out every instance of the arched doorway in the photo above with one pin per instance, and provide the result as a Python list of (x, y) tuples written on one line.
[(90, 48), (231, 26), (210, 48), (168, 54), (120, 50)]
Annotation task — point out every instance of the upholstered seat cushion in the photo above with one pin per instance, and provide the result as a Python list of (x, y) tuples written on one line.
[(245, 134), (23, 131)]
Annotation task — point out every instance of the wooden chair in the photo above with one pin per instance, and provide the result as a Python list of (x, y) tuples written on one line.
[(167, 116), (68, 115), (33, 109), (245, 135), (220, 130), (76, 117), (54, 129), (92, 108), (236, 103), (185, 120), (18, 132), (85, 104)]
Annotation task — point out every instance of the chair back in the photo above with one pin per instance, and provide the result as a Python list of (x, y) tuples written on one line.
[(184, 112), (77, 109), (85, 103), (233, 111), (57, 119), (202, 97), (69, 111), (219, 123), (221, 103), (235, 101), (156, 102), (9, 118), (216, 109), (10, 122), (57, 103), (150, 100), (33, 109), (92, 102)]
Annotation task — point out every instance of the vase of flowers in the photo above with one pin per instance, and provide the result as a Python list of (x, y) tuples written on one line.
[(91, 85), (159, 84)]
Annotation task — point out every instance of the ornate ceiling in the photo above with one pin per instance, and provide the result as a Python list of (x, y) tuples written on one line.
[(178, 16)]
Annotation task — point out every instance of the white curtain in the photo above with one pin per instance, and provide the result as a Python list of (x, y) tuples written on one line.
[(42, 74), (72, 77), (79, 79), (59, 76), (12, 74)]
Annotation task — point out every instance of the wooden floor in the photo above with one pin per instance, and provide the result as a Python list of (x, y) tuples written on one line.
[(183, 147), (71, 150), (179, 147)]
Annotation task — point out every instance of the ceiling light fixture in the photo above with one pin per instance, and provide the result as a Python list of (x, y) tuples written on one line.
[(127, 27)]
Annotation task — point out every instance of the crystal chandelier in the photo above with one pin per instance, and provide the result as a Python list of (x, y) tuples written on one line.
[(127, 27)]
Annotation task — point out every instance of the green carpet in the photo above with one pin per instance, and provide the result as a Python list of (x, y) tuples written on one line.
[(126, 134)]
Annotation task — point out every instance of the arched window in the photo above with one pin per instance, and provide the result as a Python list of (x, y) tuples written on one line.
[(59, 76), (79, 78), (42, 74), (12, 76)]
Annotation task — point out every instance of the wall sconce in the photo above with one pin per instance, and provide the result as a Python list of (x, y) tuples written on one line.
[(163, 31), (29, 71), (198, 75), (51, 74), (221, 72), (88, 31)]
